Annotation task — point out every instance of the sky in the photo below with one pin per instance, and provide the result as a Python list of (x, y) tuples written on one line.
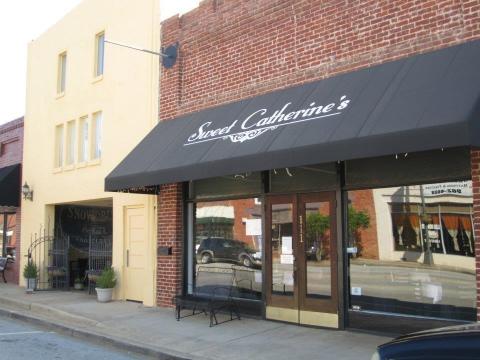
[(24, 20)]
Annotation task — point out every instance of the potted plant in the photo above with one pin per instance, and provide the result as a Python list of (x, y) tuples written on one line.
[(78, 283), (30, 272), (105, 284)]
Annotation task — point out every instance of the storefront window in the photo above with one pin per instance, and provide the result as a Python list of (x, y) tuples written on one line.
[(8, 238), (415, 250), (228, 250)]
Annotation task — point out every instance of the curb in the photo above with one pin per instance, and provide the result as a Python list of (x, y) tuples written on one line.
[(41, 309), (88, 335)]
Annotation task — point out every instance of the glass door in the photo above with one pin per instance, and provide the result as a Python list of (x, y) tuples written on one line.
[(301, 258)]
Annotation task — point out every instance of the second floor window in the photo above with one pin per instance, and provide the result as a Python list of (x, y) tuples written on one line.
[(83, 140), (59, 146), (97, 135), (71, 141), (99, 53), (62, 72)]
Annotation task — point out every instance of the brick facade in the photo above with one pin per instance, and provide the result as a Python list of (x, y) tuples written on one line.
[(170, 234), (234, 49), (475, 164), (11, 153)]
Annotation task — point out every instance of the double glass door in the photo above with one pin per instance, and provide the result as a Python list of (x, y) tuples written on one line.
[(301, 256)]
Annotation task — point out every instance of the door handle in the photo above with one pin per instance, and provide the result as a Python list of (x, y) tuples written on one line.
[(294, 269), (128, 257)]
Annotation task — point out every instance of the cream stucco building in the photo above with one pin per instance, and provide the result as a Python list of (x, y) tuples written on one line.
[(88, 104)]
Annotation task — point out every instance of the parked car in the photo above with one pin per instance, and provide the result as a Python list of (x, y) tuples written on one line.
[(217, 249), (453, 342)]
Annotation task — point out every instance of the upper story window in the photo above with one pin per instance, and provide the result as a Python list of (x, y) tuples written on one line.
[(62, 72), (71, 141), (99, 53), (97, 120), (59, 146), (83, 139)]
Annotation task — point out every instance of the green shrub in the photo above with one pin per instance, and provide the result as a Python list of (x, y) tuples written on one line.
[(107, 279), (30, 270)]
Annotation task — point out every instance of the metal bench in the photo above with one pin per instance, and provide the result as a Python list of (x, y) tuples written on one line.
[(213, 293), (4, 261)]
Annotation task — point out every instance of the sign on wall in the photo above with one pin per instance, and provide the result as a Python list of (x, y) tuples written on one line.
[(458, 188)]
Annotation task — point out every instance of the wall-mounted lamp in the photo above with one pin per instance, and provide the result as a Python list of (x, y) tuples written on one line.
[(168, 54), (27, 192)]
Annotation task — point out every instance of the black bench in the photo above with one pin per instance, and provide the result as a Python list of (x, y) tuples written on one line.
[(4, 261), (212, 294)]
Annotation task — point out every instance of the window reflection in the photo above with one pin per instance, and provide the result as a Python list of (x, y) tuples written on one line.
[(317, 249), (7, 232), (282, 249), (228, 246), (415, 250)]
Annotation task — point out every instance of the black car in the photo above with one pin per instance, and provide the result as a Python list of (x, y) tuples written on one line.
[(217, 249), (453, 342)]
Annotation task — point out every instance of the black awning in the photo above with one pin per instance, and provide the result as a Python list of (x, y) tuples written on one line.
[(10, 185), (424, 102)]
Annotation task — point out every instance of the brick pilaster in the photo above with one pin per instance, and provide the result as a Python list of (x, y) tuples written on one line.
[(475, 165), (170, 234)]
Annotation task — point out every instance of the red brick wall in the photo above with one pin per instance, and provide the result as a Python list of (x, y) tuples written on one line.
[(475, 161), (11, 153), (170, 234), (11, 140), (233, 49)]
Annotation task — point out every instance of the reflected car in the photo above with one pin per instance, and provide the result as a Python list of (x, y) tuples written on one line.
[(217, 249), (454, 342)]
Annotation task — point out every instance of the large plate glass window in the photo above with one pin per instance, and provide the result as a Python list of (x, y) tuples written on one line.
[(227, 247), (415, 250)]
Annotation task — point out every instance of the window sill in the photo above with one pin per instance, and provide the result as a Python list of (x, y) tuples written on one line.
[(81, 164), (97, 79), (69, 167), (57, 170), (95, 162), (60, 95)]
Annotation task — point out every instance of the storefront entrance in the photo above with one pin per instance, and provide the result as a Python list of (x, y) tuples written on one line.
[(301, 259)]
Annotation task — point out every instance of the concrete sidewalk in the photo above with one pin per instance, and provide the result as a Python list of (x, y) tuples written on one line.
[(155, 332)]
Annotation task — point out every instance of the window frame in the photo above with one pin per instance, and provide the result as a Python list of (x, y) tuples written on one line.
[(99, 53), (71, 142), (83, 144), (95, 137), (59, 153), (62, 72)]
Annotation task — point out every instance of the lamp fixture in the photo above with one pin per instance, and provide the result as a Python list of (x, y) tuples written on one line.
[(168, 54), (27, 192)]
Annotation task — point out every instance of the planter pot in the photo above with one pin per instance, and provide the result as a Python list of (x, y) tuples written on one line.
[(31, 284), (104, 295)]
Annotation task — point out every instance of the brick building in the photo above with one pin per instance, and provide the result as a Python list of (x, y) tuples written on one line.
[(11, 149), (363, 217)]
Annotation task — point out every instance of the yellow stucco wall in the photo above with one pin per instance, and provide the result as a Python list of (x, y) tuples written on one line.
[(127, 94)]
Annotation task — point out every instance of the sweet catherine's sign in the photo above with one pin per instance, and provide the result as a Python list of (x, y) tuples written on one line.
[(262, 120)]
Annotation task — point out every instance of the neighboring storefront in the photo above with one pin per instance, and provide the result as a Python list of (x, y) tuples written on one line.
[(336, 185), (11, 146), (88, 104)]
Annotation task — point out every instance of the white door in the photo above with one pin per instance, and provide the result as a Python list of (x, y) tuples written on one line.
[(135, 252)]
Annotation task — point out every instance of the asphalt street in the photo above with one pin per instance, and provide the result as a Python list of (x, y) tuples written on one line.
[(19, 340)]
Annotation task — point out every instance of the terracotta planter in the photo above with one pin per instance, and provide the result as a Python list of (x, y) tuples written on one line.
[(104, 295)]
